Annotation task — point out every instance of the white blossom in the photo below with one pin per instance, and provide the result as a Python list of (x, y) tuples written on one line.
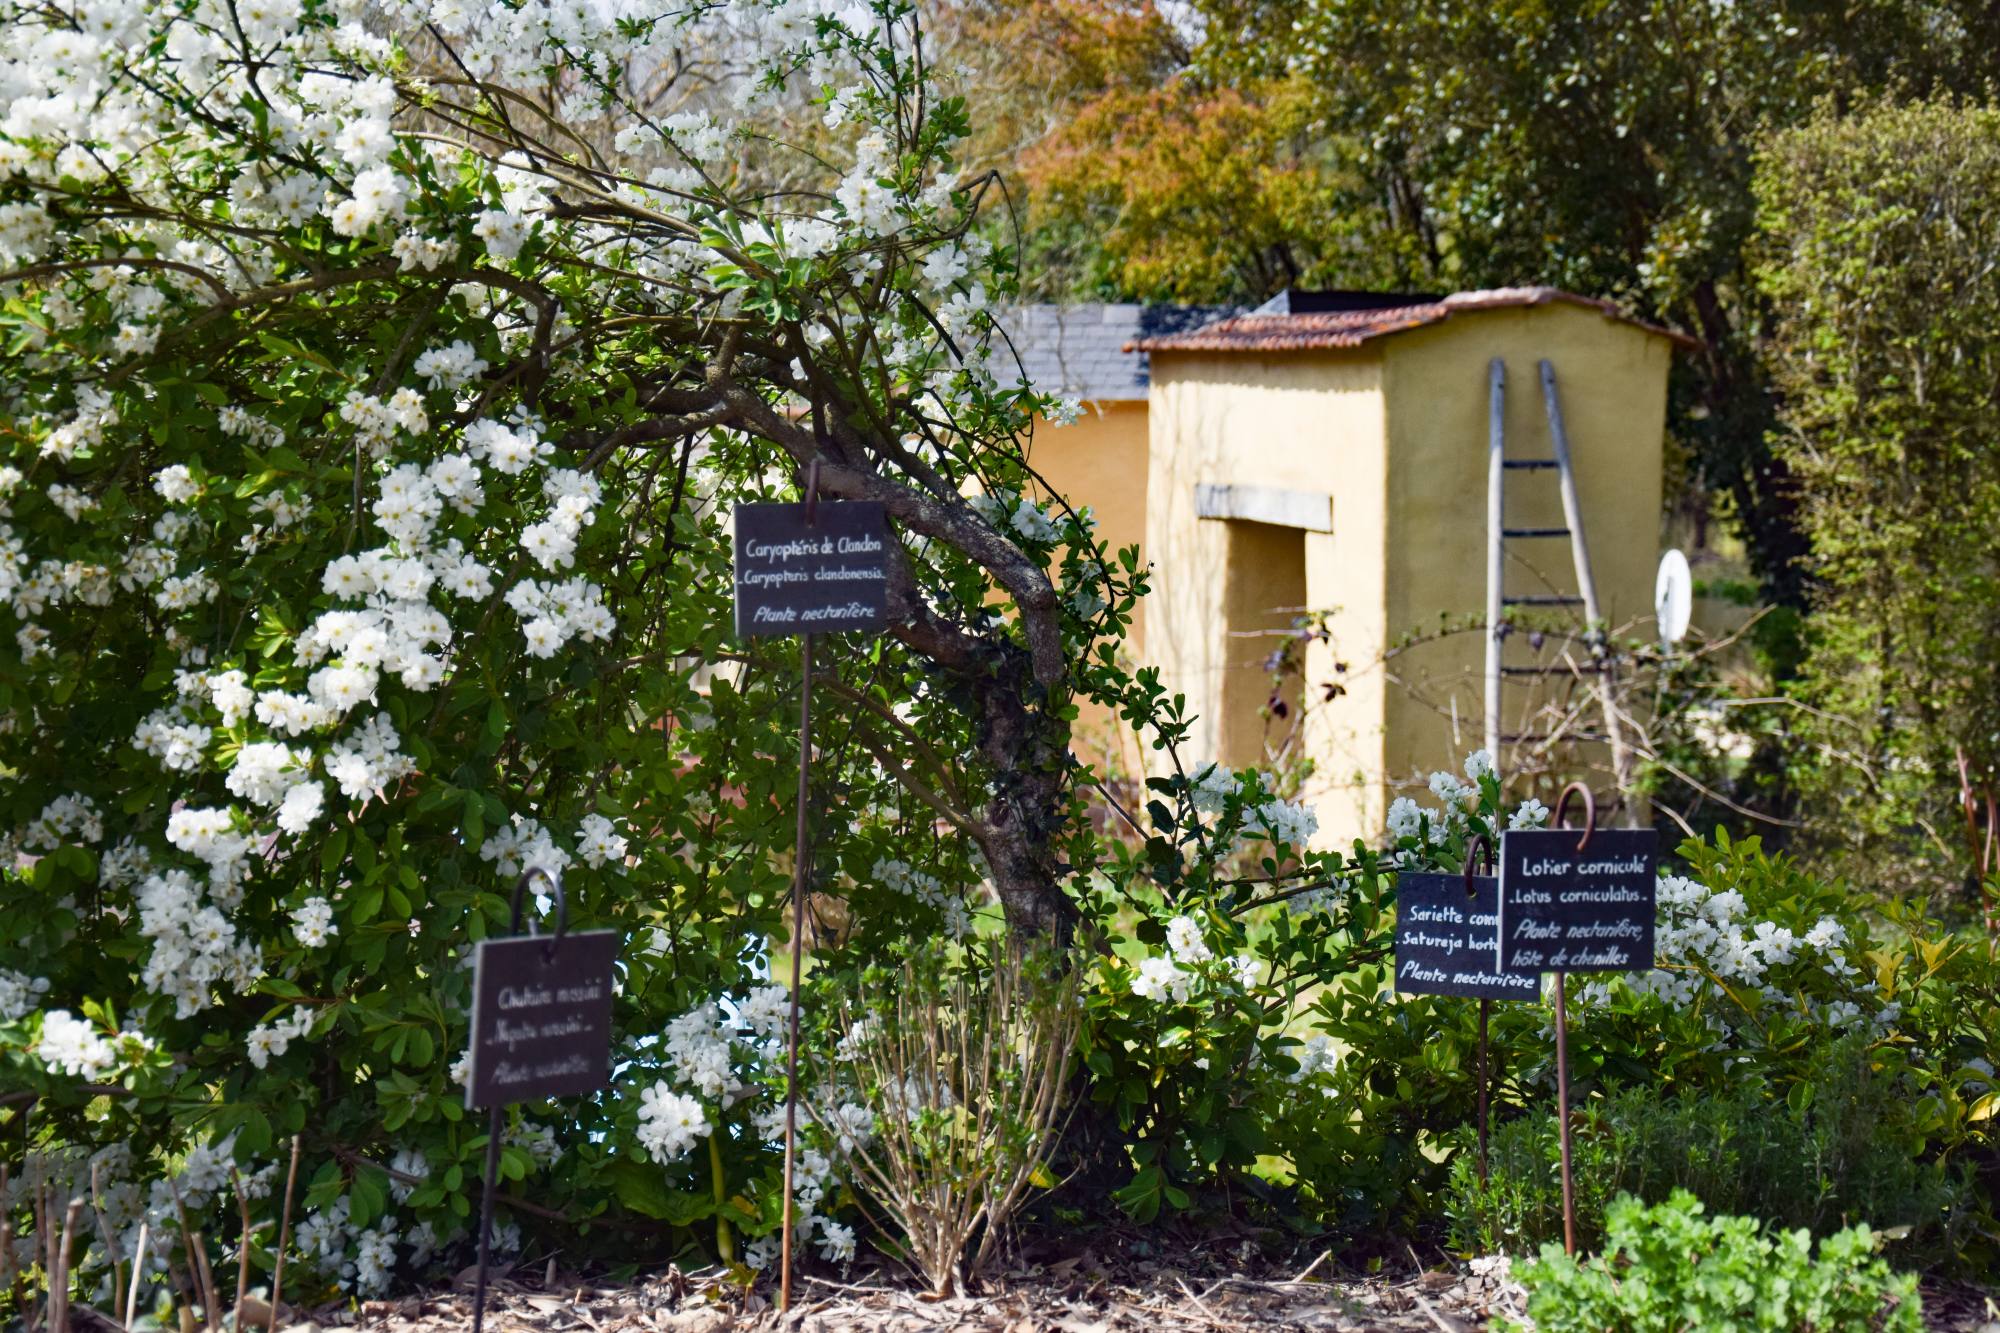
[(19, 994), (598, 841), (1450, 790), (1405, 818), (267, 1040), (1184, 941), (765, 1011), (72, 1046), (1289, 822), (700, 1051), (449, 366), (312, 922), (1158, 978), (176, 484), (670, 1123), (836, 1241), (1531, 813), (1213, 786)]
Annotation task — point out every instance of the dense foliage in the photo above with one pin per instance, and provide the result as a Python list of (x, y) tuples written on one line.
[(1880, 266), (1839, 1148), (378, 382), (1869, 1040)]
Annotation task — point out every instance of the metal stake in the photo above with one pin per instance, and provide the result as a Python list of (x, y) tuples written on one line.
[(486, 1217), (1473, 853), (1485, 1012), (1562, 1027), (801, 861), (1562, 1118)]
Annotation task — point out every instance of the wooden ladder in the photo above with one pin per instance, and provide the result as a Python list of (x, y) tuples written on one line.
[(1498, 600)]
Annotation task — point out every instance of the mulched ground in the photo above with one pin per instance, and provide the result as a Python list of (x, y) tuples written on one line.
[(1092, 1289), (1066, 1298)]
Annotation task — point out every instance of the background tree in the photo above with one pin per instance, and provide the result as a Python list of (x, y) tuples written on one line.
[(1036, 66)]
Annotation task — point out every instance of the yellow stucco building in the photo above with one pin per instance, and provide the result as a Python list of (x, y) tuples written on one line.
[(1330, 453), (1085, 352)]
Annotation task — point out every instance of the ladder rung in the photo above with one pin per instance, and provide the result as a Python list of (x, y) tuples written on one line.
[(1524, 463), (1551, 635), (1534, 532), (1556, 670), (1540, 599)]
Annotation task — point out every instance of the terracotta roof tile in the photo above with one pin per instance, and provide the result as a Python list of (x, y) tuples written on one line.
[(1351, 328)]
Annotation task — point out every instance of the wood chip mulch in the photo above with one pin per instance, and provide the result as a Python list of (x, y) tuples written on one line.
[(1081, 1294)]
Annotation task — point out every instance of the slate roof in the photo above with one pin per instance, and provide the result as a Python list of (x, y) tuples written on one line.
[(1090, 351), (1310, 321)]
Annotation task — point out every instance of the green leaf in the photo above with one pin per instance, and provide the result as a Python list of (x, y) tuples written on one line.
[(367, 1196), (253, 1134), (642, 1187), (292, 351)]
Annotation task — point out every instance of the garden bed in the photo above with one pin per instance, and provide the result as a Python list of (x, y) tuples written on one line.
[(1070, 1296), (1199, 1290)]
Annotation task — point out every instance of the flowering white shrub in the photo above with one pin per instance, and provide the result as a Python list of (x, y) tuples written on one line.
[(368, 442), (1751, 948), (1712, 953), (723, 1078), (1251, 1036)]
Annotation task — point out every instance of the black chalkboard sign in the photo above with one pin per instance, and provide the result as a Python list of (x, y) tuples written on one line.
[(541, 1018), (823, 577), (1564, 910), (1445, 939)]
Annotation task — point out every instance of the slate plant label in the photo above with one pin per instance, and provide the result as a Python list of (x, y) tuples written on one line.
[(1445, 940), (1564, 910), (541, 1025), (825, 577)]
